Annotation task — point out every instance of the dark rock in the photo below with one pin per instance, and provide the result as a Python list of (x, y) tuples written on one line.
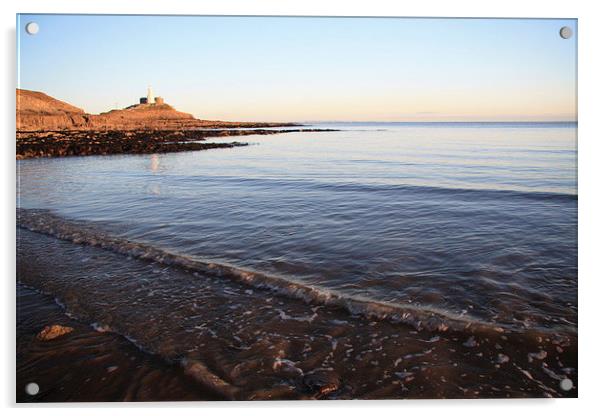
[(321, 382), (108, 142)]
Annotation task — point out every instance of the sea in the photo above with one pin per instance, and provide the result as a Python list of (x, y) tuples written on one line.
[(380, 260)]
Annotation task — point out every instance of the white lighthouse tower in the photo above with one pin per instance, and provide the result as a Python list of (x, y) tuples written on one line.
[(150, 97)]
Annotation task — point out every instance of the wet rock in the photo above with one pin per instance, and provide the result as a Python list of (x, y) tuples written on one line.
[(470, 342), (403, 375), (321, 382), (53, 331), (537, 355), (502, 358), (287, 367), (34, 144)]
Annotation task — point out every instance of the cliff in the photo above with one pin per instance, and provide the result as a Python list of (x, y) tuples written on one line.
[(37, 111)]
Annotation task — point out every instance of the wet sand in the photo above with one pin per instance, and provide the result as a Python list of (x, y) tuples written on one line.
[(89, 365), (249, 343)]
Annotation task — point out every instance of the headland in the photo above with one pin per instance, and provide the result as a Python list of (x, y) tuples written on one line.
[(48, 127)]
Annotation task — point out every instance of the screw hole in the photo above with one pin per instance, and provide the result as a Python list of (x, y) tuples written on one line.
[(32, 389), (566, 32)]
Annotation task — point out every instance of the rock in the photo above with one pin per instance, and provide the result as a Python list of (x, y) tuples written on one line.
[(404, 374), (470, 343), (53, 331), (106, 142), (540, 355), (502, 358), (287, 367), (321, 382)]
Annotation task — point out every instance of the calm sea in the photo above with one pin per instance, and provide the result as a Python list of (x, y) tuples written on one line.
[(477, 220)]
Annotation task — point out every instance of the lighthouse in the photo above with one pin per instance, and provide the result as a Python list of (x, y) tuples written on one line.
[(150, 97)]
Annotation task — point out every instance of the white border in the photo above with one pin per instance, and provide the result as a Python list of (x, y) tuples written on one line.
[(590, 209)]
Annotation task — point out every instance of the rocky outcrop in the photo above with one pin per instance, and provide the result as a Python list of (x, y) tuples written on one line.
[(149, 116), (34, 144), (37, 111), (110, 142), (53, 331)]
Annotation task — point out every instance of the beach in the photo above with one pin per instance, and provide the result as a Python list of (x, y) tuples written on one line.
[(301, 267), (115, 369), (234, 342)]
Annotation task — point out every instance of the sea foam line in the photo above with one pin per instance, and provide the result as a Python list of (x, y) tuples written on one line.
[(44, 222)]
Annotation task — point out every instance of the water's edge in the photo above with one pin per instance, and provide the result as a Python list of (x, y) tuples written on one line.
[(416, 316)]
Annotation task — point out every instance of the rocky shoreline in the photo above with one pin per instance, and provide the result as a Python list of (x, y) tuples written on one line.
[(47, 127), (61, 143)]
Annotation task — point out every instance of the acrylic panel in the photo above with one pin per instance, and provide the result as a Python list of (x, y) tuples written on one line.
[(285, 208)]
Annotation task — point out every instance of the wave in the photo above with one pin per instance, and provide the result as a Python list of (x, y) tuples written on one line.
[(422, 190), (428, 318)]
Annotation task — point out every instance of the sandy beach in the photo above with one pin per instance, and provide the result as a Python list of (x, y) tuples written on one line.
[(237, 341)]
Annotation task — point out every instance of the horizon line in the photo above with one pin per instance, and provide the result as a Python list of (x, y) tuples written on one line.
[(438, 121)]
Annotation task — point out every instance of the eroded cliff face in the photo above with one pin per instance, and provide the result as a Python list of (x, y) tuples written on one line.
[(38, 111)]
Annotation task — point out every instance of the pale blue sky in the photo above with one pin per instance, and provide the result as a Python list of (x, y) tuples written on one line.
[(292, 68)]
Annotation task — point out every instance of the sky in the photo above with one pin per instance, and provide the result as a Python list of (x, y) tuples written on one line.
[(307, 68)]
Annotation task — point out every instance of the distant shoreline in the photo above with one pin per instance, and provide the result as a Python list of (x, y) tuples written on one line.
[(37, 111), (47, 127)]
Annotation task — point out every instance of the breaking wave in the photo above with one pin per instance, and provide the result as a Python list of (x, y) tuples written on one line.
[(419, 317)]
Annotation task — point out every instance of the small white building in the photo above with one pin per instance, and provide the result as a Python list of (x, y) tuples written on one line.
[(150, 98)]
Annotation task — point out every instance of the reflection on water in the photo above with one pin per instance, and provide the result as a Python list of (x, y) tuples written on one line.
[(155, 163), (478, 219)]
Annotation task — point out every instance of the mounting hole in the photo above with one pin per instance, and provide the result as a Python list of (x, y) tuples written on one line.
[(32, 389), (566, 32), (32, 28), (566, 384)]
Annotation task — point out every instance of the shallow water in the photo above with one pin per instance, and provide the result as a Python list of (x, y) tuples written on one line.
[(89, 365), (234, 341), (474, 222)]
